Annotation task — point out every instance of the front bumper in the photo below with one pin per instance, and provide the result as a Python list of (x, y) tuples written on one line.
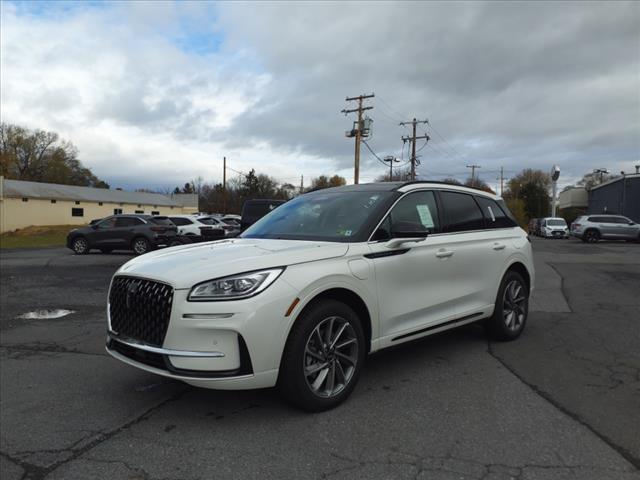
[(219, 345)]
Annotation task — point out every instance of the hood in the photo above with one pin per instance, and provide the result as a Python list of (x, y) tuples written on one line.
[(187, 265)]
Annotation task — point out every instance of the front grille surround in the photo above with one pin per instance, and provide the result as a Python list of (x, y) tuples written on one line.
[(140, 309)]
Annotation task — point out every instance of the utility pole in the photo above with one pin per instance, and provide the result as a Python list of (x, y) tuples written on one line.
[(390, 159), (501, 180), (224, 185), (473, 173), (301, 184), (413, 139), (358, 131)]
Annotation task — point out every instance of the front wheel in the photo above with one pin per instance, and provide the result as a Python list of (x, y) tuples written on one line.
[(323, 357), (141, 246), (511, 310), (80, 246)]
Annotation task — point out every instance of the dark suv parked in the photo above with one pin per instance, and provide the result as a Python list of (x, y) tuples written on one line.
[(139, 233), (254, 210)]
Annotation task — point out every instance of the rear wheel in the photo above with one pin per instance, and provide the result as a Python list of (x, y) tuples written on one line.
[(140, 246), (80, 246), (511, 310), (591, 236), (323, 357)]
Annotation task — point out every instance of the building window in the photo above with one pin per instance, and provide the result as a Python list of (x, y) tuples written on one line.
[(77, 202), (171, 208), (139, 211), (100, 203), (121, 204), (77, 212), (139, 205), (53, 201), (25, 199), (155, 212), (117, 211)]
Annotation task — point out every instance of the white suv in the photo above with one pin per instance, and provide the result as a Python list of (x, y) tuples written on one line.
[(307, 292)]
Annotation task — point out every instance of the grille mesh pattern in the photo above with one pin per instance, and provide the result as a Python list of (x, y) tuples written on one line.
[(140, 309)]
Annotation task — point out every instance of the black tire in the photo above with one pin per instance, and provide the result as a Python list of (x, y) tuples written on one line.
[(80, 246), (297, 388), (106, 250), (140, 246), (502, 325), (591, 236)]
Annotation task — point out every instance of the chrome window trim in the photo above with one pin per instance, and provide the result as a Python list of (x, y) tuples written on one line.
[(431, 189)]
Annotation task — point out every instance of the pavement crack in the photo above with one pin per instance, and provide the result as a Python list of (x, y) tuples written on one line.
[(627, 455), (34, 472)]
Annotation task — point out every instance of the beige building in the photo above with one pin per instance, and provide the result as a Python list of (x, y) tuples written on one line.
[(23, 204), (575, 197)]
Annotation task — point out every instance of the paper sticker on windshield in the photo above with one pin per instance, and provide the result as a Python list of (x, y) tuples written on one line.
[(347, 233), (425, 215)]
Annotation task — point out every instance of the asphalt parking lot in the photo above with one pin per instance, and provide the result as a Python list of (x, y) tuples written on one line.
[(562, 402)]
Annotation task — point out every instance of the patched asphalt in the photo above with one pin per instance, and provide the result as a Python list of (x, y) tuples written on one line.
[(562, 402)]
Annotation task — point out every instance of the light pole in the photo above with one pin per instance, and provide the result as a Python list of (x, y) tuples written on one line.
[(555, 174)]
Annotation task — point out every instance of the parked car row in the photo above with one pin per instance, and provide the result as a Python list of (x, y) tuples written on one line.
[(588, 228), (143, 233)]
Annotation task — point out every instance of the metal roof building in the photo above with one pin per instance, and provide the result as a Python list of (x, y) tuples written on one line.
[(618, 196), (22, 189), (24, 204)]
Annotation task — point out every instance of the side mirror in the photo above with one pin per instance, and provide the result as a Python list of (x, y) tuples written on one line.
[(408, 230), (94, 226), (632, 223)]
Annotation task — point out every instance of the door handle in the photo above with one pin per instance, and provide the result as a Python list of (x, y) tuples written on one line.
[(498, 246), (444, 253)]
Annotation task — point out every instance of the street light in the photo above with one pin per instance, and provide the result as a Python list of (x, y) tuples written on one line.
[(555, 174)]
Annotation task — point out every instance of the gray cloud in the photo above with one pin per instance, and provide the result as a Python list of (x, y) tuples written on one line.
[(151, 91)]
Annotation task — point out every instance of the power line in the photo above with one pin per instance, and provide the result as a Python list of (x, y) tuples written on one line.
[(443, 139)]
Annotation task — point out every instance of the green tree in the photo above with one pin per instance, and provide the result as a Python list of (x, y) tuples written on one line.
[(327, 182), (40, 156), (532, 187)]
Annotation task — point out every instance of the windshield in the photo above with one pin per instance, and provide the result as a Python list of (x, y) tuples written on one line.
[(331, 216), (556, 222)]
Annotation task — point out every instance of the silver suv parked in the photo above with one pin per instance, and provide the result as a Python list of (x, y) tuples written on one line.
[(591, 228)]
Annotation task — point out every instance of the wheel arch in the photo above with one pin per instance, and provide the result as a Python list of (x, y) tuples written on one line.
[(349, 298), (522, 270)]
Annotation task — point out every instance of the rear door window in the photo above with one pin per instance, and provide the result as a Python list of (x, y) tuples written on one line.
[(128, 222), (461, 212)]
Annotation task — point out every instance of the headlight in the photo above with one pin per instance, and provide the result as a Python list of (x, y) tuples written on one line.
[(234, 287)]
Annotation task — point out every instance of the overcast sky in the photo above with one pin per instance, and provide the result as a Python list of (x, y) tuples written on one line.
[(155, 94)]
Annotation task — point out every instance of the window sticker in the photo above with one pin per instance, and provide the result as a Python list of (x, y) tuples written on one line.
[(493, 217), (347, 233), (425, 215)]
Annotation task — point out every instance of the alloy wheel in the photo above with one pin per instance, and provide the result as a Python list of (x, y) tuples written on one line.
[(514, 305), (80, 246), (140, 246), (330, 356), (592, 237)]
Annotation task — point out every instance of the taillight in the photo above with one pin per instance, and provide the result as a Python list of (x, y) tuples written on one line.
[(158, 229)]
